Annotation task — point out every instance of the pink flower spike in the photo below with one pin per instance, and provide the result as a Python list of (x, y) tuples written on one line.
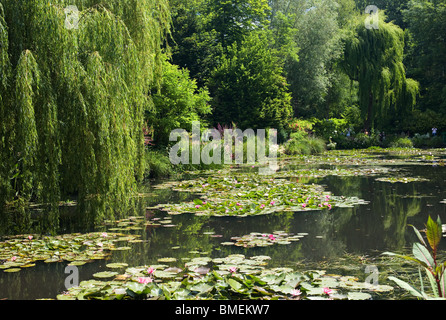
[(327, 291)]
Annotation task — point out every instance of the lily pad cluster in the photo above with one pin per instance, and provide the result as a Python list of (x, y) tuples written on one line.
[(257, 239), (135, 223), (401, 179), (231, 277), (246, 195), (25, 250)]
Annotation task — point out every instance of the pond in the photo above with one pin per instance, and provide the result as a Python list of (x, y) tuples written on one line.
[(368, 200)]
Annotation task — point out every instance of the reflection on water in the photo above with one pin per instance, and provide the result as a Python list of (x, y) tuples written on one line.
[(363, 230)]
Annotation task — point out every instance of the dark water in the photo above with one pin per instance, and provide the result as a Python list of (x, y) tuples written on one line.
[(362, 231)]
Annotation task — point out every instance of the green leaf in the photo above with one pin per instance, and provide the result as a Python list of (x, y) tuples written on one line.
[(432, 282), (421, 253), (235, 285), (202, 287), (443, 284), (408, 287), (409, 258), (433, 232), (420, 237)]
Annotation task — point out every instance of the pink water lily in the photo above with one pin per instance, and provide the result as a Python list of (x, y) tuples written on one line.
[(233, 269), (30, 237), (150, 270), (104, 234), (272, 203), (329, 207), (271, 237), (197, 206), (239, 204), (327, 291), (144, 280), (326, 204), (14, 258), (296, 292), (304, 205), (262, 206)]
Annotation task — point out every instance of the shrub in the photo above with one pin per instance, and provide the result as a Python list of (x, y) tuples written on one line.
[(304, 145), (157, 164), (402, 143)]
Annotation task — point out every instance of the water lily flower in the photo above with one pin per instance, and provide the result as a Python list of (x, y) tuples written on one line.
[(238, 204), (262, 206), (197, 206), (30, 237), (104, 234), (327, 197), (272, 203), (14, 258), (320, 205), (150, 270), (144, 280), (100, 244), (204, 202), (329, 207), (296, 292), (326, 204), (233, 269), (304, 205), (271, 237), (120, 291), (327, 291)]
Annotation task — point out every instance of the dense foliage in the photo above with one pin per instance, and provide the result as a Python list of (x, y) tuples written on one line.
[(88, 97)]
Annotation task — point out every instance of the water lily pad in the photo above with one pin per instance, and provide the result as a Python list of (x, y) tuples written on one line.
[(105, 274), (117, 265), (359, 296), (167, 259)]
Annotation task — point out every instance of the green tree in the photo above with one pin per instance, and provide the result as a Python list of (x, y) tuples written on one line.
[(248, 88), (72, 100), (316, 31), (374, 58), (427, 53), (177, 103)]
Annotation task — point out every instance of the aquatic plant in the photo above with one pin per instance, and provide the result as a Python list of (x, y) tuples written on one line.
[(234, 277), (426, 257)]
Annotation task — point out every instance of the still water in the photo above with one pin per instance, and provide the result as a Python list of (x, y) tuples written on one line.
[(336, 241)]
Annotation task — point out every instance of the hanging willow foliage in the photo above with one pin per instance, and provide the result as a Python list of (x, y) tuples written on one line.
[(72, 100), (374, 58)]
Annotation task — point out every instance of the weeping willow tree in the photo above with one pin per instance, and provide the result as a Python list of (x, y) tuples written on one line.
[(75, 78), (374, 58)]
